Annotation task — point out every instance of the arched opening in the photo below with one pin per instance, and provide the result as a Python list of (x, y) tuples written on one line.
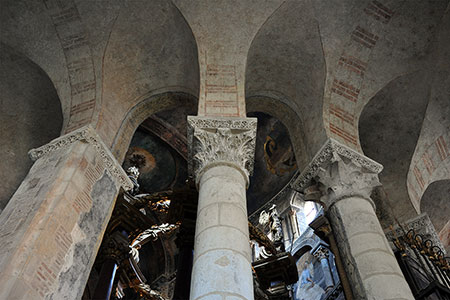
[(158, 149), (285, 63), (159, 57), (153, 225), (312, 261)]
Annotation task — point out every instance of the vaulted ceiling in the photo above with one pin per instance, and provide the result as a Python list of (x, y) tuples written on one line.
[(374, 75)]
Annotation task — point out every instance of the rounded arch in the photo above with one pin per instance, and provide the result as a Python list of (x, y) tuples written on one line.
[(141, 111), (389, 128), (30, 114), (151, 50), (285, 62), (304, 246)]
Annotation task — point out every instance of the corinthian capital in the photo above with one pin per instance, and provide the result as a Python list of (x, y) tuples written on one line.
[(229, 141), (338, 172), (321, 252)]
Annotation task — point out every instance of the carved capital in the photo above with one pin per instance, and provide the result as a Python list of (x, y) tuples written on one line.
[(229, 141), (321, 252), (89, 135), (338, 172)]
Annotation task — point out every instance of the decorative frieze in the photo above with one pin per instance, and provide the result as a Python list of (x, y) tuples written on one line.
[(221, 140), (86, 134)]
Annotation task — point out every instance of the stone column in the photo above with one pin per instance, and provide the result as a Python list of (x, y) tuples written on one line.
[(321, 253), (114, 250), (106, 280), (221, 158), (344, 180), (53, 225)]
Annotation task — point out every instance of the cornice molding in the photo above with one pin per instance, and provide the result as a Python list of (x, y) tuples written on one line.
[(89, 135)]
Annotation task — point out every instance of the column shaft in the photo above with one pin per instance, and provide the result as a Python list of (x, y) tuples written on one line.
[(369, 261), (222, 255), (184, 271), (106, 280), (326, 272)]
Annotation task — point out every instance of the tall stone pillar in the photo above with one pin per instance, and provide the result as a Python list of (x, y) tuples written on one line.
[(321, 253), (344, 180), (52, 227), (221, 158)]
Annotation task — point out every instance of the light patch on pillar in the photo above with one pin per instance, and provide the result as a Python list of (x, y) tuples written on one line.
[(77, 235), (223, 261)]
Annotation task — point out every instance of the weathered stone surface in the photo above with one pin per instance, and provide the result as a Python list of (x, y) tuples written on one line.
[(367, 257), (222, 49), (54, 240), (90, 225)]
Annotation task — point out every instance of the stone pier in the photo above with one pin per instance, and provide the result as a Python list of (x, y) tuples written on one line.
[(54, 224), (221, 158), (342, 180)]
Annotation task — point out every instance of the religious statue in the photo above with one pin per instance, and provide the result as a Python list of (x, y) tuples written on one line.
[(307, 289), (133, 174), (272, 220)]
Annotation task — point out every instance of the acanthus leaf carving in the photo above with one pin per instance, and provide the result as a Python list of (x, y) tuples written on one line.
[(326, 155), (221, 140)]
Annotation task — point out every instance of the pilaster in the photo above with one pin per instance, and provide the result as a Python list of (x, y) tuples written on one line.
[(321, 253), (53, 225)]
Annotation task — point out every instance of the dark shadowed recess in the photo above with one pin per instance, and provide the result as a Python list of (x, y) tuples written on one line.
[(436, 203), (274, 161), (30, 116), (389, 128)]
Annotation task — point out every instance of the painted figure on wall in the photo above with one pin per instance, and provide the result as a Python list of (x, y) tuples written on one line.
[(307, 289)]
